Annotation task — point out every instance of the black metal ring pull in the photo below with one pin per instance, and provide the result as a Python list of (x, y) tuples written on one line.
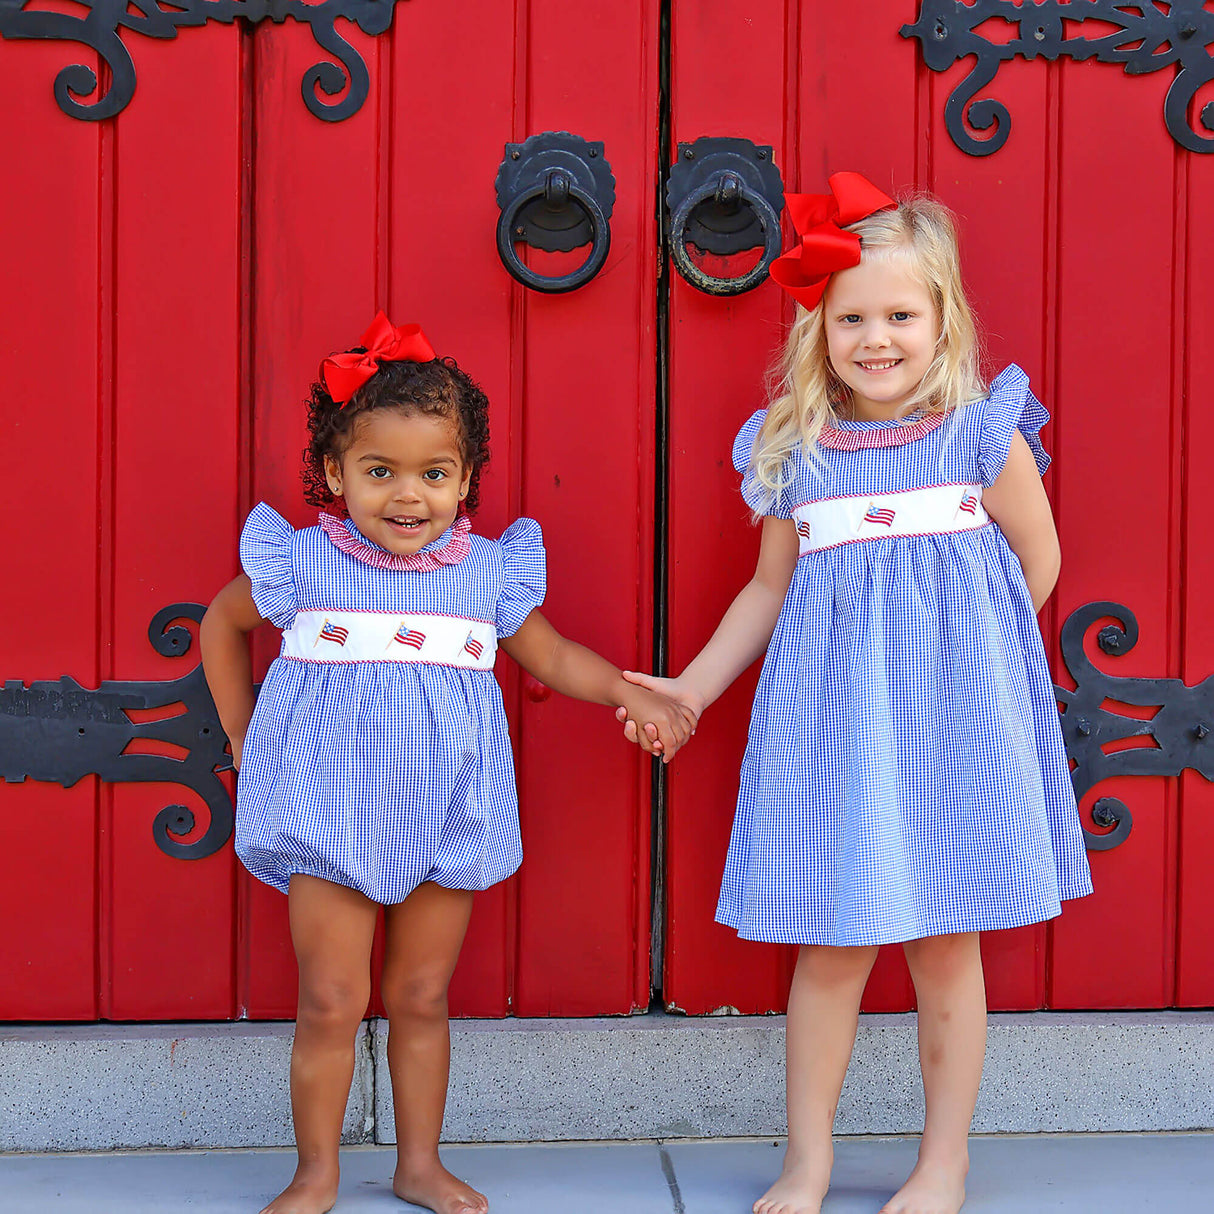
[(556, 193), (725, 195), (509, 230)]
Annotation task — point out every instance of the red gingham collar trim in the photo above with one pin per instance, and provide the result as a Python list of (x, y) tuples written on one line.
[(454, 550), (887, 436)]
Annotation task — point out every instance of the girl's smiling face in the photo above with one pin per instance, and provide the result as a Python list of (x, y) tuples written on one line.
[(881, 332), (402, 478)]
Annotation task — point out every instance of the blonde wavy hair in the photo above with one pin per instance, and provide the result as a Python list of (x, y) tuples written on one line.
[(807, 394)]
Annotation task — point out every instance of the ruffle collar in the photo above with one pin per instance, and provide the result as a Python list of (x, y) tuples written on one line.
[(845, 435), (450, 547)]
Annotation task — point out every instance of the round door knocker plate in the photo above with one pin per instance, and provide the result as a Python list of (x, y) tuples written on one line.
[(556, 193), (724, 196)]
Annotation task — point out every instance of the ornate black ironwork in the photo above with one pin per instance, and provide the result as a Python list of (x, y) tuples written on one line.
[(724, 196), (1181, 729), (99, 30), (1140, 35), (60, 731)]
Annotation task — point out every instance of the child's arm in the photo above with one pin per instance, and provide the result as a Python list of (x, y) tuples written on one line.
[(1017, 502), (576, 671), (744, 631), (225, 658)]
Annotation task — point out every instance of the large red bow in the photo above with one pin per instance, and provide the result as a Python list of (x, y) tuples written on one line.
[(345, 373), (822, 246)]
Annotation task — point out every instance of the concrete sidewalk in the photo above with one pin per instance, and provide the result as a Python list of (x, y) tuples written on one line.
[(1031, 1174)]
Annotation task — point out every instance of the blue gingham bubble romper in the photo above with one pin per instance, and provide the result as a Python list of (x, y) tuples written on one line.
[(905, 774), (382, 774)]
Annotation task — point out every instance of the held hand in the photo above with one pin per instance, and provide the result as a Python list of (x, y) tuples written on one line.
[(632, 734), (674, 688), (668, 725), (691, 702), (665, 729), (648, 738), (237, 745)]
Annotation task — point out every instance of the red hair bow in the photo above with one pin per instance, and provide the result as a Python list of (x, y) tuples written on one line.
[(823, 247), (345, 373)]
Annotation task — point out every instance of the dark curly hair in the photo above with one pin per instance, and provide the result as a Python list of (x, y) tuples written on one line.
[(439, 388)]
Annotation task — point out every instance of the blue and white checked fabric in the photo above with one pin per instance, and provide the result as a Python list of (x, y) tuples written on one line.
[(905, 774), (380, 775)]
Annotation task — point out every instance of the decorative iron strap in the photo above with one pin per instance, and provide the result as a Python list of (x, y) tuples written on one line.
[(1140, 35), (60, 731), (100, 31), (1180, 729)]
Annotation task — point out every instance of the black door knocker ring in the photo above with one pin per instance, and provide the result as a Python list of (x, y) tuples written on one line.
[(724, 196), (556, 193)]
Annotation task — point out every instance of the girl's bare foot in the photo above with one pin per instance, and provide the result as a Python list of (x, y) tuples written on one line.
[(801, 1187), (432, 1186), (312, 1191), (932, 1188)]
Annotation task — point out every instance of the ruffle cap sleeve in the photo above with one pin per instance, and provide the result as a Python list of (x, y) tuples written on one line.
[(754, 493), (265, 554), (1011, 406), (524, 575)]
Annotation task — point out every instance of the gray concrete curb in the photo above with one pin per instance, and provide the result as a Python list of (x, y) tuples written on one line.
[(99, 1087), (670, 1077), (654, 1076)]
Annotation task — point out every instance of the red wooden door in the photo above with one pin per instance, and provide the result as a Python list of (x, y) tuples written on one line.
[(185, 266), (1108, 336), (181, 268)]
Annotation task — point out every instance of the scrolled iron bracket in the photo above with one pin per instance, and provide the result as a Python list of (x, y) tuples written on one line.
[(59, 731), (1145, 37), (100, 32), (1181, 729)]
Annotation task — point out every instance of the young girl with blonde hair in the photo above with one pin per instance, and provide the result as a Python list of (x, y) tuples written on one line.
[(905, 778)]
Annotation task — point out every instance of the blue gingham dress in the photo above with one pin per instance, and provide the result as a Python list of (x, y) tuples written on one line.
[(380, 775), (905, 774)]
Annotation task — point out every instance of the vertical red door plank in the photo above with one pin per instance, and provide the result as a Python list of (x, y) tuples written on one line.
[(586, 463), (317, 258), (440, 160), (1113, 433), (730, 75), (49, 617), (383, 179), (1195, 941), (820, 119), (176, 316), (1003, 208), (843, 122)]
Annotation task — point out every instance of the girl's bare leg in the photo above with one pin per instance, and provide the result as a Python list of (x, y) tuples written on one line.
[(331, 929), (424, 935), (947, 972), (823, 1010)]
